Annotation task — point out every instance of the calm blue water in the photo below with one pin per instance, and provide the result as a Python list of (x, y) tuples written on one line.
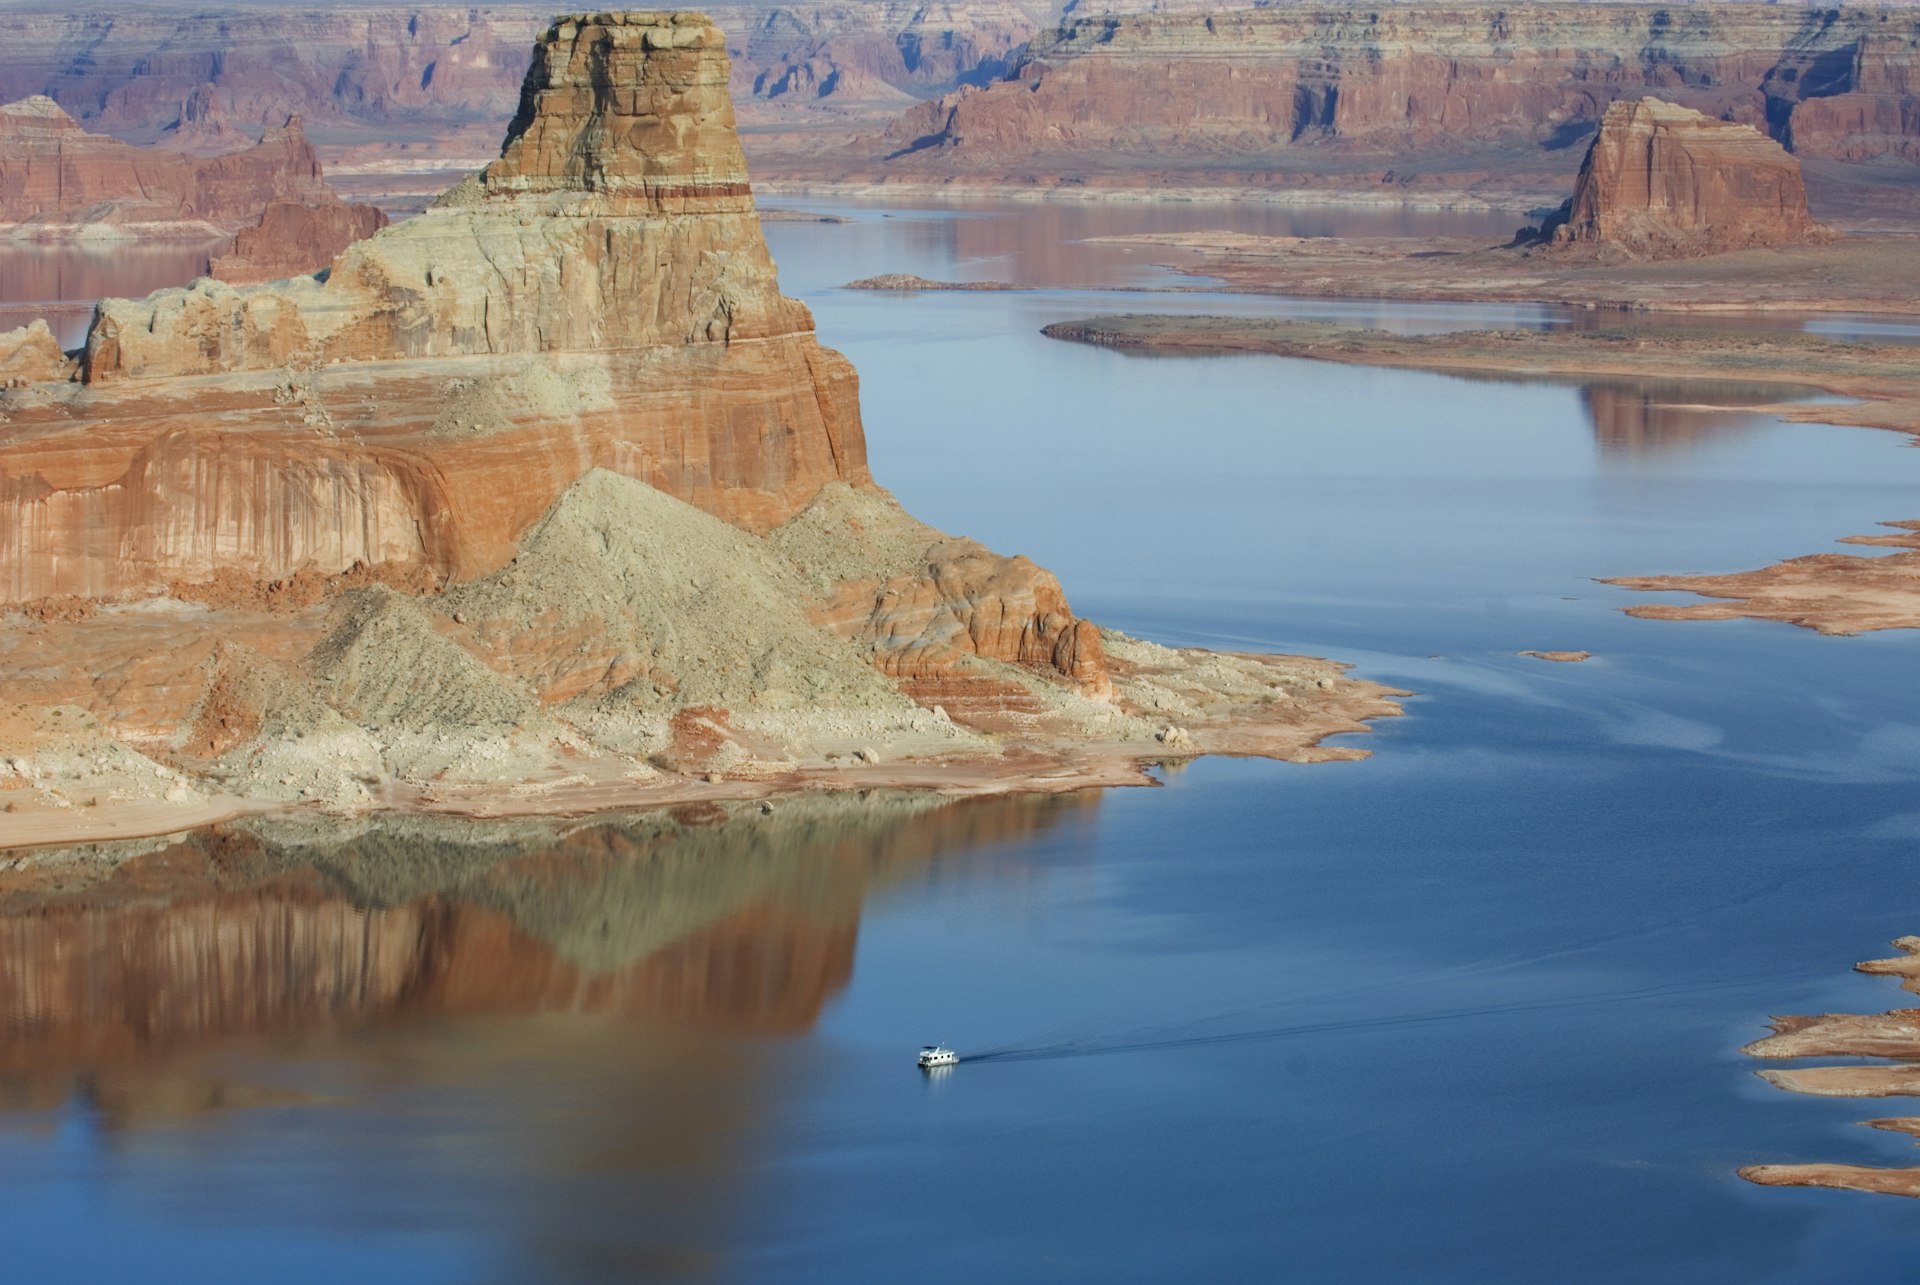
[(1466, 1011)]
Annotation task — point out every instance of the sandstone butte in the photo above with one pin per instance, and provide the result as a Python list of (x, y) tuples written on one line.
[(544, 499), (1409, 96), (1662, 181), (58, 180)]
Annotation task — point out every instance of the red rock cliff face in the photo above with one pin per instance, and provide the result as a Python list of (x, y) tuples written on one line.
[(1664, 181), (294, 237), (1277, 87), (54, 173), (600, 297)]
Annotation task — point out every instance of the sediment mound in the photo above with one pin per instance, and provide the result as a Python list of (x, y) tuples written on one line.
[(1662, 181)]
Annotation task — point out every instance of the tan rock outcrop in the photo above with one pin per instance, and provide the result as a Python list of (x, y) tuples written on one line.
[(548, 488), (1662, 181), (31, 355), (600, 298), (1892, 1039)]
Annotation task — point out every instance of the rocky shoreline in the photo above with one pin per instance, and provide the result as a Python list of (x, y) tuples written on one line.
[(1891, 1044)]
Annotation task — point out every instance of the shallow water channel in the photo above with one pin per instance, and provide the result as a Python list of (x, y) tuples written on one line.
[(1465, 1011)]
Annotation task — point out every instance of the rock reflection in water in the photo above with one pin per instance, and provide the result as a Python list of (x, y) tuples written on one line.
[(720, 918), (62, 281), (1643, 417)]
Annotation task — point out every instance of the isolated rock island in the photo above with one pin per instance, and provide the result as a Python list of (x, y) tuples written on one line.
[(545, 500), (1663, 181)]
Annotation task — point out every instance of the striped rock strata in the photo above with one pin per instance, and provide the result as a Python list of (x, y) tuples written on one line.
[(550, 488), (1409, 94), (1664, 181)]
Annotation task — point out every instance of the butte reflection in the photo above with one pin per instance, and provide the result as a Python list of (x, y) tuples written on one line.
[(130, 975), (1646, 417)]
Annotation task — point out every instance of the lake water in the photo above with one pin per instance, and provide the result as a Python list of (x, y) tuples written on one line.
[(61, 282), (1466, 1011)]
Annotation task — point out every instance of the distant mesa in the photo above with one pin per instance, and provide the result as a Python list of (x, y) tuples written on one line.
[(296, 237), (1406, 101), (1662, 181), (57, 180)]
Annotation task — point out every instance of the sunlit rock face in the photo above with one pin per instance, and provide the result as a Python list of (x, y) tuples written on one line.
[(587, 340), (1667, 181), (602, 291)]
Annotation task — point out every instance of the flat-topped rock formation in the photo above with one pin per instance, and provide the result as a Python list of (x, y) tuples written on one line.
[(1662, 181), (55, 178), (1418, 100), (550, 491)]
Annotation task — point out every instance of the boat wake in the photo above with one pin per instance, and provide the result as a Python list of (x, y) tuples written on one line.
[(1192, 1033)]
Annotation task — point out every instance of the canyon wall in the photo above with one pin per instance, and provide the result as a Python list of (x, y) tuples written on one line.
[(362, 71), (1404, 94), (1397, 91)]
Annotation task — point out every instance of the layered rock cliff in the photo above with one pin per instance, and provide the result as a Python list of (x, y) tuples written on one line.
[(599, 296), (54, 176), (1662, 181), (1408, 96), (1411, 94), (549, 485)]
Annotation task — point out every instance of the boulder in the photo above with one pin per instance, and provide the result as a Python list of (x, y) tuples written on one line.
[(30, 355)]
